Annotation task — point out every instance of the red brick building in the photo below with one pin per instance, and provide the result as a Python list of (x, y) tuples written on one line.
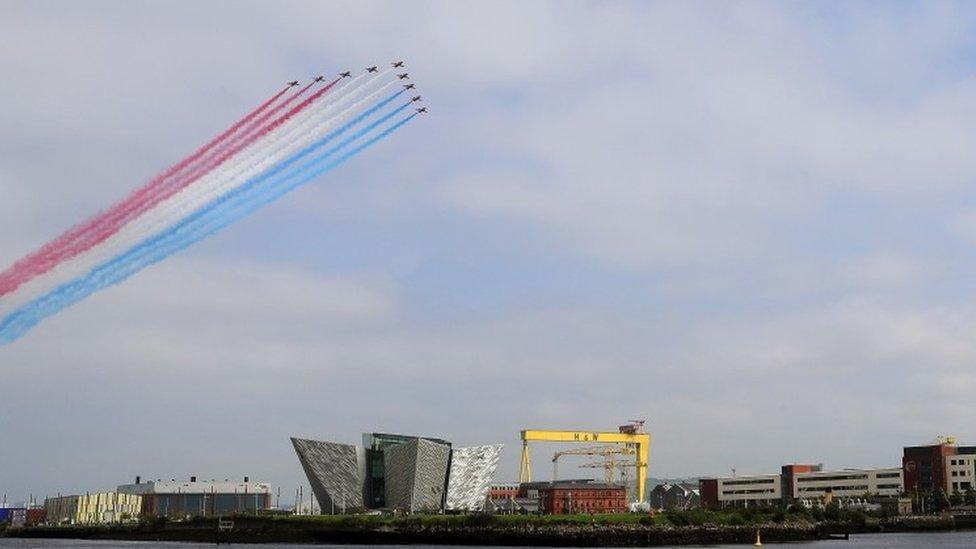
[(925, 475), (503, 491), (563, 498)]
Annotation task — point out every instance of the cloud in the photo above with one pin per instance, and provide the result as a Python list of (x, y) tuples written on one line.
[(741, 222)]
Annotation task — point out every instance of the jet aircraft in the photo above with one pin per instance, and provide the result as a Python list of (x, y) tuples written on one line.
[(293, 83), (404, 75), (417, 98), (346, 74), (397, 64), (422, 110), (372, 69), (409, 86)]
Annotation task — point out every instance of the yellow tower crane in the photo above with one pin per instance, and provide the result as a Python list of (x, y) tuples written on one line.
[(630, 436)]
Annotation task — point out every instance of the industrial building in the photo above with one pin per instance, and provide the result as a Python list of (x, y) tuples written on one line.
[(558, 498), (391, 471), (178, 499), (93, 508)]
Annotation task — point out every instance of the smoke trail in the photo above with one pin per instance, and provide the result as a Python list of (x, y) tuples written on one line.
[(15, 275), (19, 323), (110, 222), (159, 219)]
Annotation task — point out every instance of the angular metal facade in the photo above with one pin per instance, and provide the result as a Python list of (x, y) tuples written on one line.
[(416, 475), (472, 469), (334, 472)]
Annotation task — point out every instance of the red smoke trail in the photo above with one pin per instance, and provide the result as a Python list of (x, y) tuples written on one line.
[(257, 124), (101, 227)]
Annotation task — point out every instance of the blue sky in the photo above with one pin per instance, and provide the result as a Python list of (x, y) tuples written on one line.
[(750, 223)]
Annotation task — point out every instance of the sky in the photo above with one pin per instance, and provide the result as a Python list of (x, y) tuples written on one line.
[(751, 224)]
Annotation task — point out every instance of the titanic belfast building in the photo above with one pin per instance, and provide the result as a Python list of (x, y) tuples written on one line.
[(407, 473)]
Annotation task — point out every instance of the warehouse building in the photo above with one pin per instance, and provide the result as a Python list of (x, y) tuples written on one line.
[(207, 498), (93, 508)]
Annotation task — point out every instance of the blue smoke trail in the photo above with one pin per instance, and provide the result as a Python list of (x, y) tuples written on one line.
[(202, 223)]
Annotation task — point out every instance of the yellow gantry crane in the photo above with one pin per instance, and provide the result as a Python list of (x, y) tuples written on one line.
[(632, 436)]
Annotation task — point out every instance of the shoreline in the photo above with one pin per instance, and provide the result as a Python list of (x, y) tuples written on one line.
[(312, 530)]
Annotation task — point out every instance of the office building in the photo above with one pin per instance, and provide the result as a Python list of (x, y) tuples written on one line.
[(740, 491), (818, 486), (960, 473)]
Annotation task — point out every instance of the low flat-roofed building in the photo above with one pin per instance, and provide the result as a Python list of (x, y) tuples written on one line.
[(848, 483), (740, 491), (175, 498), (92, 508)]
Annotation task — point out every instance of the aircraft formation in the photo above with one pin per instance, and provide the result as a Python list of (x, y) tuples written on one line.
[(376, 69)]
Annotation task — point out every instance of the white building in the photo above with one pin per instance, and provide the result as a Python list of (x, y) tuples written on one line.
[(848, 483), (748, 491), (960, 473)]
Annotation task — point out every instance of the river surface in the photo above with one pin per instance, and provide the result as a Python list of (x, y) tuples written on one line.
[(947, 540)]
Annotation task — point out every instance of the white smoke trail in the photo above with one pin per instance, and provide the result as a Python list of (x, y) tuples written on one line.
[(281, 143), (201, 224)]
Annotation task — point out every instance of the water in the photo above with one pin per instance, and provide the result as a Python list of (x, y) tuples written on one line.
[(947, 540)]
